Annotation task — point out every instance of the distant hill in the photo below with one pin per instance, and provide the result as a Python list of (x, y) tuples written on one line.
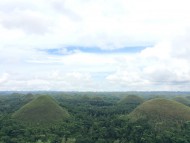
[(131, 99), (42, 110), (28, 97), (182, 100), (163, 111)]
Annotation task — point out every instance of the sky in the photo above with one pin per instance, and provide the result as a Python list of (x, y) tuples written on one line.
[(95, 45)]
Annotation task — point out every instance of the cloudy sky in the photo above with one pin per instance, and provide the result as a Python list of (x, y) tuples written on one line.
[(95, 45)]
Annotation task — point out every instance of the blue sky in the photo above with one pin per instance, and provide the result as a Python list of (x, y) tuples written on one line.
[(96, 50), (86, 45)]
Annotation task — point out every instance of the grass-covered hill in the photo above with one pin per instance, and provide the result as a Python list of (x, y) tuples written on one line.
[(163, 111), (43, 109), (182, 100), (131, 99)]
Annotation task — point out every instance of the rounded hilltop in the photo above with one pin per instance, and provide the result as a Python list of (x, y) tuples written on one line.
[(42, 110), (161, 111), (131, 99)]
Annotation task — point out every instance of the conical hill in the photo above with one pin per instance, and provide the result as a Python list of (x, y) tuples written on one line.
[(131, 99), (162, 111), (43, 109)]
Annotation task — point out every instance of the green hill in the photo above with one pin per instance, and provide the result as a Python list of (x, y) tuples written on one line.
[(131, 99), (43, 109), (182, 100), (163, 111)]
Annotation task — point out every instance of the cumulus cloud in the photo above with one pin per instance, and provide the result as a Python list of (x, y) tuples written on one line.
[(106, 24), (181, 46), (30, 22), (156, 68), (4, 77), (31, 32), (50, 80)]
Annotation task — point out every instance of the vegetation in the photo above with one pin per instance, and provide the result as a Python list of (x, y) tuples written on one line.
[(42, 110), (131, 99), (161, 110), (93, 118), (182, 100)]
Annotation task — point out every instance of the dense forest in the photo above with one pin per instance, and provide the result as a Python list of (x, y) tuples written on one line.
[(97, 118)]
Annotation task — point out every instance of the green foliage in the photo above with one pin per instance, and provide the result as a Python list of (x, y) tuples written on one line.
[(97, 118)]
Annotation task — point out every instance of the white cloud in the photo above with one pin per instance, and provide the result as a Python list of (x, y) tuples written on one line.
[(4, 77), (155, 68), (49, 81), (106, 24), (28, 21), (29, 28)]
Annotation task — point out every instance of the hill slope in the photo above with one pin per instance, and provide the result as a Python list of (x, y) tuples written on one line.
[(182, 100), (43, 109), (161, 110)]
